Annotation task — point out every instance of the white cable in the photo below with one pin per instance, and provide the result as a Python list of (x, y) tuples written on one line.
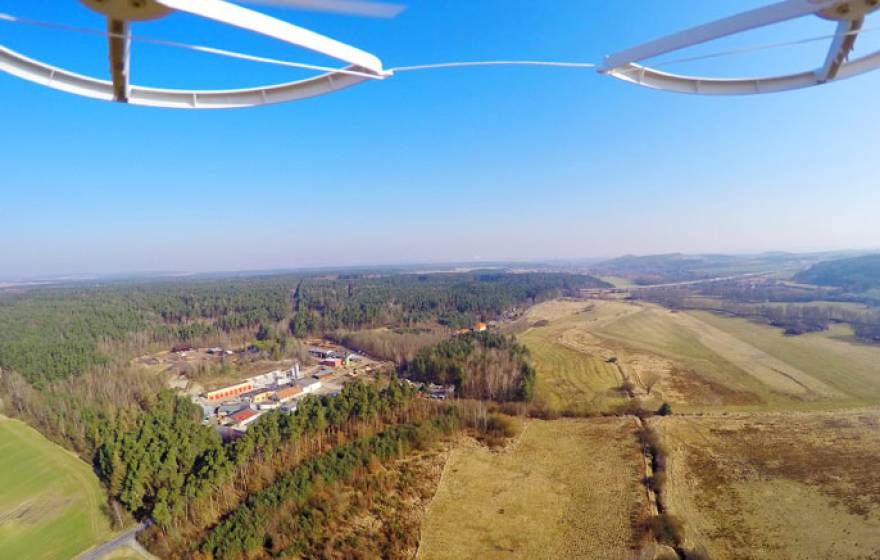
[(493, 63), (252, 58)]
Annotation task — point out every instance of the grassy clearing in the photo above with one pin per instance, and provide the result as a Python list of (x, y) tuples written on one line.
[(573, 375), (566, 488), (51, 505), (796, 485)]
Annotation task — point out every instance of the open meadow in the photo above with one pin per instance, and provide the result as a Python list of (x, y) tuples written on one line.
[(769, 486), (584, 351), (770, 453), (573, 372), (51, 506), (566, 488)]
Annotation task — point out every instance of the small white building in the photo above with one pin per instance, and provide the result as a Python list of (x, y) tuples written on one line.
[(309, 385)]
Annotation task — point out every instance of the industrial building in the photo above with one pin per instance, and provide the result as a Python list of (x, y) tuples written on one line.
[(229, 392), (288, 393), (243, 418), (308, 385)]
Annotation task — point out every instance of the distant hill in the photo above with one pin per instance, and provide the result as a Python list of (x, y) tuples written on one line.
[(858, 274), (677, 267)]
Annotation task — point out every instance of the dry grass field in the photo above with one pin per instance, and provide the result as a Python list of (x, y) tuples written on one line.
[(795, 485), (848, 369), (572, 375), (695, 360), (566, 488), (772, 450)]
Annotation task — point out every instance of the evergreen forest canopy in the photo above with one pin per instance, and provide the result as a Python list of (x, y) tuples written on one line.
[(456, 300), (53, 333), (480, 365)]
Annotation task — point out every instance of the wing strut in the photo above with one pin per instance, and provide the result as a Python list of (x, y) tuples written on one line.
[(119, 46)]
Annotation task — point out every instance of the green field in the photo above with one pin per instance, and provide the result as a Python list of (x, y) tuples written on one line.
[(51, 506), (618, 281)]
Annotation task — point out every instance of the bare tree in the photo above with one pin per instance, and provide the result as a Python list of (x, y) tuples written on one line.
[(650, 380)]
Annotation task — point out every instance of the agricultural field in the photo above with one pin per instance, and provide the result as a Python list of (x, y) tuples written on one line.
[(851, 370), (566, 488), (51, 506), (767, 486), (573, 376), (695, 360), (617, 281)]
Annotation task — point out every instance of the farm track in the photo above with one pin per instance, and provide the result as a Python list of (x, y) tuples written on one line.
[(125, 539)]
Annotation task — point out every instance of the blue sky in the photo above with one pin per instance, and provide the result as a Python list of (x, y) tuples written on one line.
[(449, 165)]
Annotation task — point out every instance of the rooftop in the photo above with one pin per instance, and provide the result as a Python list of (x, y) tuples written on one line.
[(243, 415)]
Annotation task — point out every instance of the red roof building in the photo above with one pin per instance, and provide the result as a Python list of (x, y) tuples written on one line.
[(229, 392), (243, 417)]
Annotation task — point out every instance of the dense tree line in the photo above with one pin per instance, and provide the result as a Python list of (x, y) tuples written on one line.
[(76, 411), (168, 460), (457, 300), (279, 521), (481, 365), (396, 345), (53, 333)]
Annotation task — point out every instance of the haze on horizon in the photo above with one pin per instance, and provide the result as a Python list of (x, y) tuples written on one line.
[(466, 165)]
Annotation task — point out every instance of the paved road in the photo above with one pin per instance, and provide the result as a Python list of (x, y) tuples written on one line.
[(120, 540)]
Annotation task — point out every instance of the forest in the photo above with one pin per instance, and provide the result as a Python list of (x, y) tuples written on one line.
[(281, 522), (50, 334), (452, 299), (857, 274), (53, 333), (169, 468), (481, 365)]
